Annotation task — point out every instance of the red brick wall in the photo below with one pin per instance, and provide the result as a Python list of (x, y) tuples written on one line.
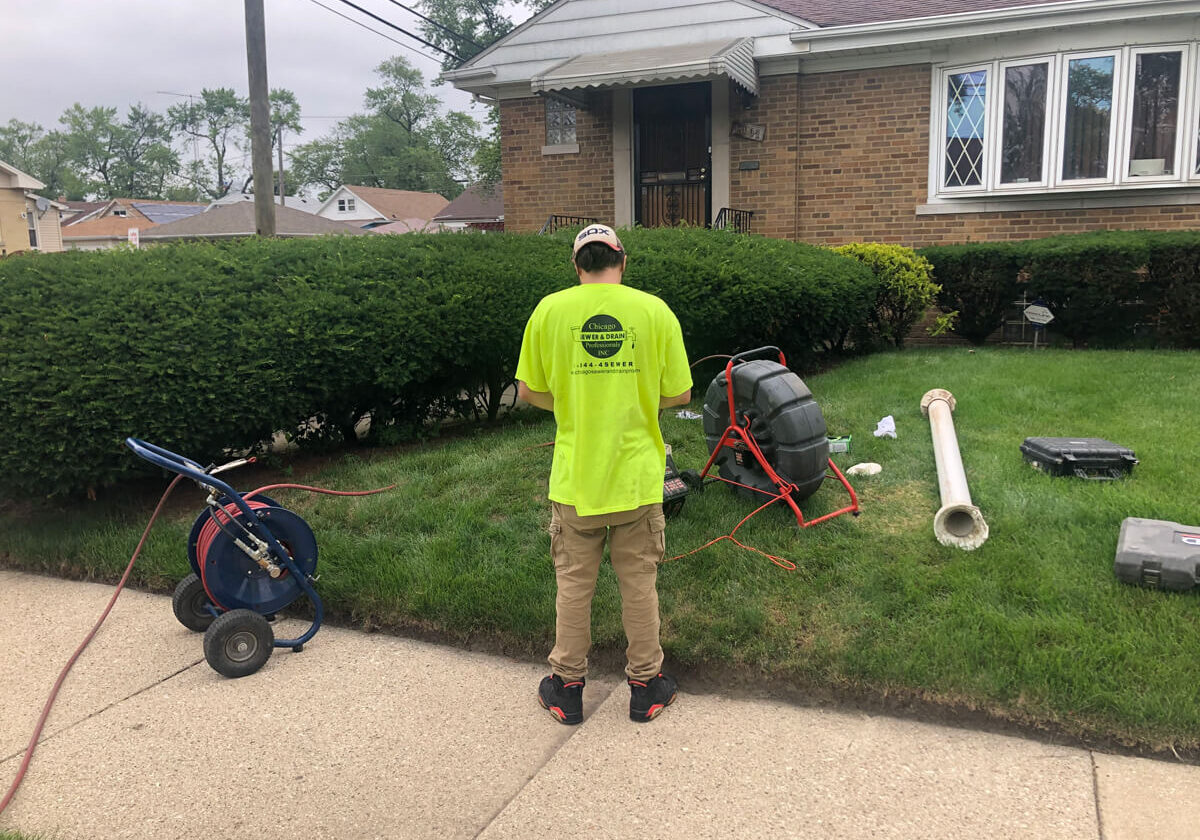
[(770, 191), (537, 186)]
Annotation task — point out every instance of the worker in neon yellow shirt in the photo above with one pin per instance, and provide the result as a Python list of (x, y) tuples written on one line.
[(605, 358)]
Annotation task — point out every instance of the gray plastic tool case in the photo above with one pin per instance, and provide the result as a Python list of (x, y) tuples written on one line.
[(1158, 554)]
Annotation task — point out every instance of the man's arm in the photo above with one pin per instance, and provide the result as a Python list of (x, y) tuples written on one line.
[(539, 399), (682, 399)]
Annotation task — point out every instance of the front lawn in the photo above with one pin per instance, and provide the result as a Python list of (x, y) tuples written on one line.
[(1032, 627)]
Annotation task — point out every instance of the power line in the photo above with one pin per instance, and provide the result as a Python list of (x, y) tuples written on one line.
[(445, 29), (369, 29), (400, 29)]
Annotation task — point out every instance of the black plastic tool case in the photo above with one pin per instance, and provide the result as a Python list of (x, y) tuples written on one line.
[(1092, 458)]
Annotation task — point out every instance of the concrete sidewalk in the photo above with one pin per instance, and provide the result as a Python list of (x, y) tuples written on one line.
[(370, 736)]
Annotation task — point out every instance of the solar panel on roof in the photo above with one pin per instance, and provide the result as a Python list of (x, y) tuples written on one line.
[(161, 213)]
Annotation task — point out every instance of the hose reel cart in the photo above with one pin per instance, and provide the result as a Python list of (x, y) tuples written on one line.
[(250, 558), (766, 434)]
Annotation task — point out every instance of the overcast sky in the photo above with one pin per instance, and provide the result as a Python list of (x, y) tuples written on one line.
[(119, 52)]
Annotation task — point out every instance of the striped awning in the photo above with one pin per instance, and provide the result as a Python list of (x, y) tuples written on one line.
[(732, 59)]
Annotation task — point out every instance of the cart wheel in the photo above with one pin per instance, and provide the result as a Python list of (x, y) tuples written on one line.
[(191, 604), (238, 643), (693, 480)]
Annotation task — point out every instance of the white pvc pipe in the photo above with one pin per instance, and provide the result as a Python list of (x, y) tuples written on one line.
[(958, 522)]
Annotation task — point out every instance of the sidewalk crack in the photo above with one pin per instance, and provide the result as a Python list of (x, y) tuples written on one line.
[(1096, 794), (86, 718), (540, 767)]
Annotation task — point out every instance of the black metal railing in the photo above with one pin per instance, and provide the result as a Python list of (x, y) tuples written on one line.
[(735, 220), (559, 220)]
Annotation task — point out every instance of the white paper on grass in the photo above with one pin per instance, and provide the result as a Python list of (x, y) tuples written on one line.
[(886, 427)]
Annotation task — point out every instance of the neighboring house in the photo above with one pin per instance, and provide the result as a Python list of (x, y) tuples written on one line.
[(370, 206), (226, 221), (478, 208), (106, 224), (28, 222), (293, 201), (78, 211), (406, 226), (908, 121)]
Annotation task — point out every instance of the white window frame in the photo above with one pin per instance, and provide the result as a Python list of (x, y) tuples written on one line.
[(1048, 135), (1185, 97), (1116, 136), (1187, 147), (943, 125)]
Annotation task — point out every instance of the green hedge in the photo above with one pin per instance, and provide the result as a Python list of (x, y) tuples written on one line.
[(205, 348), (1109, 288)]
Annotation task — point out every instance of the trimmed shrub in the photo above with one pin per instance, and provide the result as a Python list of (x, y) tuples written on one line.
[(206, 348), (980, 281), (1108, 288), (905, 291), (1174, 271), (1096, 285)]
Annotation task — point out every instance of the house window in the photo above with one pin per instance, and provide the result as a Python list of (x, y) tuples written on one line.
[(560, 122), (1023, 136), (966, 95), (1088, 119), (31, 217), (1154, 127), (1106, 119), (120, 211), (345, 205)]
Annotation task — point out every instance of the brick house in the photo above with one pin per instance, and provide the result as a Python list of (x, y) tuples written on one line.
[(908, 121)]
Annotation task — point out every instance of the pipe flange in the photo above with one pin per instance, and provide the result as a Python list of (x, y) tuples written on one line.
[(936, 394), (960, 526)]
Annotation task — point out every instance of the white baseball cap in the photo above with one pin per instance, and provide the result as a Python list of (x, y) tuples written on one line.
[(597, 233)]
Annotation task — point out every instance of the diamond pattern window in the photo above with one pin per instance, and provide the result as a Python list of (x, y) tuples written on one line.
[(966, 110)]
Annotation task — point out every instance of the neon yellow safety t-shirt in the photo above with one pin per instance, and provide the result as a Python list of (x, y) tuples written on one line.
[(607, 353)]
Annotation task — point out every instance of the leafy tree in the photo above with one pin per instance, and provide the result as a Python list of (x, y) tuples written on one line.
[(217, 117), (467, 27), (133, 158), (43, 154), (404, 142)]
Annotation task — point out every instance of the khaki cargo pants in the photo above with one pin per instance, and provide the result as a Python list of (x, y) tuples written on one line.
[(636, 545)]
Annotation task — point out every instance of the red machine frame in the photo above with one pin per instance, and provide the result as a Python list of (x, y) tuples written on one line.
[(736, 432)]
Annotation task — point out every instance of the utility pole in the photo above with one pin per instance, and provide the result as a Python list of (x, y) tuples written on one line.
[(279, 136), (260, 118)]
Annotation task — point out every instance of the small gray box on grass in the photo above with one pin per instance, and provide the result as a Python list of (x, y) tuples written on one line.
[(1158, 554)]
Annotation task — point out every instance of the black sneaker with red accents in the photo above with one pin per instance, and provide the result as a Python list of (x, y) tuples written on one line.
[(648, 698), (563, 700)]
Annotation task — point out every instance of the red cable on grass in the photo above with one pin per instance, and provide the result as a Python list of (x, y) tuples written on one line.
[(37, 732)]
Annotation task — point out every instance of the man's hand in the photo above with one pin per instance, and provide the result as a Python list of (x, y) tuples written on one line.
[(539, 399), (682, 399)]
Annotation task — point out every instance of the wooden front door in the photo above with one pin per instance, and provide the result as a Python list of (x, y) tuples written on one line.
[(672, 155)]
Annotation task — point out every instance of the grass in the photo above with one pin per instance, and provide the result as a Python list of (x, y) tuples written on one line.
[(1031, 628)]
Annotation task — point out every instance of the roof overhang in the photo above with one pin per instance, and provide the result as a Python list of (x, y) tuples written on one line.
[(664, 65), (910, 32)]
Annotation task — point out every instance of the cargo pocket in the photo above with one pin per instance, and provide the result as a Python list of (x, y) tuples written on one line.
[(558, 555), (658, 539)]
